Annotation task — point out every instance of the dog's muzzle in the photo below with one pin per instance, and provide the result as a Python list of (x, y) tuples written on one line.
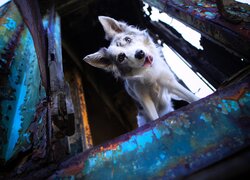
[(139, 54), (148, 60)]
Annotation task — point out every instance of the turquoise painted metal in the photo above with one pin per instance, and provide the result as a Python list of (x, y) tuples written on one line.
[(22, 94), (174, 146)]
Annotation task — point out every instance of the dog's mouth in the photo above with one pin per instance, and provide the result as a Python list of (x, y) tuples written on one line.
[(148, 61)]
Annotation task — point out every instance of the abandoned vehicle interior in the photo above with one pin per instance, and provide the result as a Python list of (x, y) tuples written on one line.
[(62, 118)]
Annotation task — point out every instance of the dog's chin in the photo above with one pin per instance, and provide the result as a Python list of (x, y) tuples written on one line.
[(148, 61)]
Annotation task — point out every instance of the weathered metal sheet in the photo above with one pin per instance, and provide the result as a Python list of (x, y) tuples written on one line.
[(30, 11), (176, 145), (28, 140), (203, 15), (22, 106), (82, 139)]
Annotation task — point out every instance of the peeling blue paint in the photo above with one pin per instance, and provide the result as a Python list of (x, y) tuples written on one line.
[(16, 125), (206, 117), (10, 24), (142, 141), (210, 15), (19, 108), (91, 163), (175, 146), (230, 105), (129, 146)]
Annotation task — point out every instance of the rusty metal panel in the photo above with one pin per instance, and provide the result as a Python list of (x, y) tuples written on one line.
[(23, 108), (86, 129), (82, 139), (176, 145), (86, 133), (204, 16)]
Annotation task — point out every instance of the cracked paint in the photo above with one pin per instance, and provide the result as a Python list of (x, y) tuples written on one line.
[(21, 74), (173, 146)]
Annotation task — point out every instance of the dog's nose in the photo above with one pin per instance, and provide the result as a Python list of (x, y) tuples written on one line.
[(139, 54)]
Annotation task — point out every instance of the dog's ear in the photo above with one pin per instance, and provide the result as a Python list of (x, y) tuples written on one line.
[(111, 26), (99, 59)]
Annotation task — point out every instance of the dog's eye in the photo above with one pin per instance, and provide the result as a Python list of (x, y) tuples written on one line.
[(128, 39), (121, 57)]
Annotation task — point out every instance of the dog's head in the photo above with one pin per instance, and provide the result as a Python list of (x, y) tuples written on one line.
[(131, 50)]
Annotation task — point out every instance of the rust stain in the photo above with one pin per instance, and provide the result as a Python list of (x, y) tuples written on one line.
[(237, 95), (109, 147), (74, 169), (88, 137)]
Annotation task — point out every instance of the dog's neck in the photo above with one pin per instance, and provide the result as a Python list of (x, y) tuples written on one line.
[(131, 73)]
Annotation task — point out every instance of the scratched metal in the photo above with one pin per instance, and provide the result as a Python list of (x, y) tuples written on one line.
[(22, 95), (174, 146)]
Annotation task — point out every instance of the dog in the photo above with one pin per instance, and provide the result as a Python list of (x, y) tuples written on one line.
[(137, 60)]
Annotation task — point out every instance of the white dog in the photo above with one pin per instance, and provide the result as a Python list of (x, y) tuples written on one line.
[(133, 57)]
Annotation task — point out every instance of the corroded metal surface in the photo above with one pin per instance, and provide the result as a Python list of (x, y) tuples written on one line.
[(22, 103), (30, 12), (27, 138), (203, 15), (82, 139), (176, 145), (87, 138)]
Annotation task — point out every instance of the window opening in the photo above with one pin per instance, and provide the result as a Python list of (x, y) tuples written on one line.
[(183, 70), (244, 1), (2, 2)]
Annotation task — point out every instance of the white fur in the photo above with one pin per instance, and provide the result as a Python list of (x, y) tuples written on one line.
[(150, 84)]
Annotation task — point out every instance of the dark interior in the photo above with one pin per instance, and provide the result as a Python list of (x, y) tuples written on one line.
[(110, 110)]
